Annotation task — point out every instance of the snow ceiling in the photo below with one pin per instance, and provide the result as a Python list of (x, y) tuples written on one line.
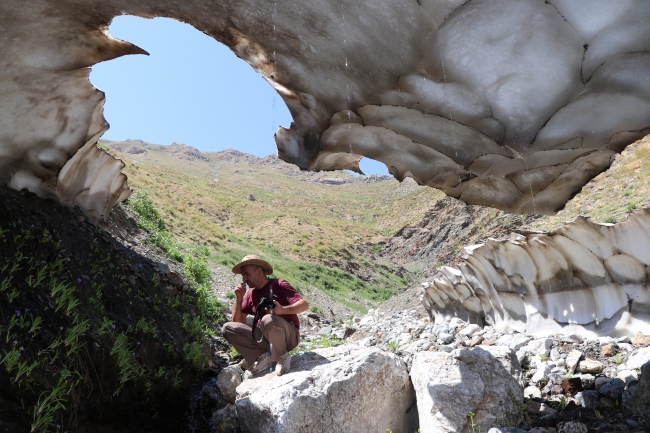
[(513, 104)]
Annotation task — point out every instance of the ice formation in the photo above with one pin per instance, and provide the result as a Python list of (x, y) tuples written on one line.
[(584, 278), (513, 104)]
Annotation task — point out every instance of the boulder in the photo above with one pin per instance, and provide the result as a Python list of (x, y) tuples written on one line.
[(228, 381), (345, 388), (639, 359), (226, 420), (613, 389), (639, 395), (483, 380), (571, 427)]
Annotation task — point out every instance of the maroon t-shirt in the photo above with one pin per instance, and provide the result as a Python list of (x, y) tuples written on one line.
[(286, 294)]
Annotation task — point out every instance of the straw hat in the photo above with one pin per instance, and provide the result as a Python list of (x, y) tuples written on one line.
[(252, 259)]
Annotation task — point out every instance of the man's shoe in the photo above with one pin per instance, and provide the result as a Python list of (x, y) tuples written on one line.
[(283, 365), (263, 362)]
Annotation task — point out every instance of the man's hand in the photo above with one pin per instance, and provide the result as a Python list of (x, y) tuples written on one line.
[(240, 291), (295, 308)]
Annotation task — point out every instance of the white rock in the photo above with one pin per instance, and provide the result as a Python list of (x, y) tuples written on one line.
[(366, 320), (572, 360), (324, 390), (326, 330), (469, 330), (605, 340), (448, 386), (519, 341), (637, 360), (532, 391), (541, 346), (541, 373), (628, 376)]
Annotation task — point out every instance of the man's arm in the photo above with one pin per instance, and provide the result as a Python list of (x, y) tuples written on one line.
[(295, 308), (237, 314)]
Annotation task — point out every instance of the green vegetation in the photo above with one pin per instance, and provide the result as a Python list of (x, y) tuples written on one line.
[(393, 345), (320, 342), (195, 265), (612, 195), (64, 322), (312, 233)]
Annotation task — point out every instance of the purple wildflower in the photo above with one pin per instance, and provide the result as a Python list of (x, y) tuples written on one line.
[(17, 313), (78, 280), (43, 262)]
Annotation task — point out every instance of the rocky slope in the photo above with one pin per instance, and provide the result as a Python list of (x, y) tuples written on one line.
[(98, 328), (590, 385)]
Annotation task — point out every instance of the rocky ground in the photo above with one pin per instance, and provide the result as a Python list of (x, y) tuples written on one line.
[(589, 381)]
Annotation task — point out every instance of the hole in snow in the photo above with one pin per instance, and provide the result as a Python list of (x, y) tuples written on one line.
[(191, 89)]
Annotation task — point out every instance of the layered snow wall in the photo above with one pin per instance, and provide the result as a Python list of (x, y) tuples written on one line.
[(583, 278), (513, 104)]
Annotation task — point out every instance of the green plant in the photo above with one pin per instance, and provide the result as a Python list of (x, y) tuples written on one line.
[(610, 220), (393, 345), (631, 207), (617, 359), (473, 427), (230, 295)]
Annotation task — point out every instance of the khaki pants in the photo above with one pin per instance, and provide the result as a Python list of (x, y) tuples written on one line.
[(280, 337)]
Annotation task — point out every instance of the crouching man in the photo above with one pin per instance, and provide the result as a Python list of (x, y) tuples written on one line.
[(278, 326)]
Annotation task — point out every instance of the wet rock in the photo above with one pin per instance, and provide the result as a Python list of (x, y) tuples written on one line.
[(228, 381), (325, 391), (225, 420), (639, 398), (589, 366), (613, 389), (536, 408), (600, 381), (587, 399), (571, 427), (467, 380), (506, 430)]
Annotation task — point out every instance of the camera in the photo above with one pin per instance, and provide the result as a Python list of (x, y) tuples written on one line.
[(266, 303)]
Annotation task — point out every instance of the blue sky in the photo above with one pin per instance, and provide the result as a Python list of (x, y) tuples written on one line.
[(190, 89)]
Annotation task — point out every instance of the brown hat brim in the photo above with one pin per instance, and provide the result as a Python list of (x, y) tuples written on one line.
[(266, 266)]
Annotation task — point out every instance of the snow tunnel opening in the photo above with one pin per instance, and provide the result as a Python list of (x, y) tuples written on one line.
[(190, 86)]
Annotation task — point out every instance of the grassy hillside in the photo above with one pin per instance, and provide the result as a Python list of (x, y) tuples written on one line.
[(611, 195), (317, 234)]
